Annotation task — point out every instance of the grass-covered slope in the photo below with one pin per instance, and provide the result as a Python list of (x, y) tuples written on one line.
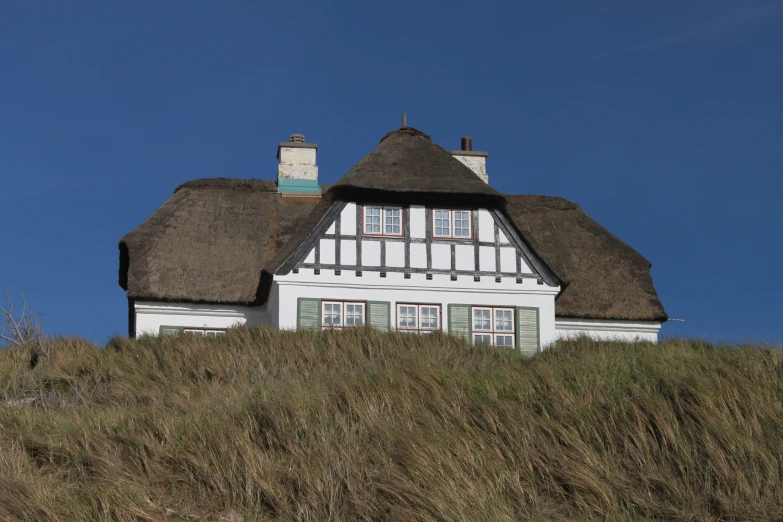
[(264, 425)]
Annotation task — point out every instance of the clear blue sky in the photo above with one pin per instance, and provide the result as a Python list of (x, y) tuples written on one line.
[(664, 120)]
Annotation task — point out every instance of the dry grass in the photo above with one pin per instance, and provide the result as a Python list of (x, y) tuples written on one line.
[(266, 425)]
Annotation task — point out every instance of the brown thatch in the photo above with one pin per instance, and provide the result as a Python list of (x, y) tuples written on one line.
[(603, 278), (209, 242), (211, 239), (406, 161)]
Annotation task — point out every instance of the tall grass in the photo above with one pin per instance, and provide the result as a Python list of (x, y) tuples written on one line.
[(358, 425)]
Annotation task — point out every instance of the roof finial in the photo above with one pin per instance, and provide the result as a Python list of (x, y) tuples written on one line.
[(404, 121)]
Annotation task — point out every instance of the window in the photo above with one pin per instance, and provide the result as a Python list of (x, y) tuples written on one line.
[(422, 318), (204, 332), (337, 314), (494, 326), (383, 221), (455, 224)]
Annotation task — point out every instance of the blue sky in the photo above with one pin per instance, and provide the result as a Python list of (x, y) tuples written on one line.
[(664, 120)]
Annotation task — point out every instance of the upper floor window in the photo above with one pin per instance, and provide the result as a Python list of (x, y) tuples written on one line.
[(382, 221), (493, 326), (455, 224)]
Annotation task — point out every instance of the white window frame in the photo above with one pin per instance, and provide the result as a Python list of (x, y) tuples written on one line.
[(343, 309), (493, 332), (384, 213), (418, 307), (204, 332), (452, 217)]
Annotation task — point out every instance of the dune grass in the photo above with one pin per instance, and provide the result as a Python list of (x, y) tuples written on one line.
[(359, 425)]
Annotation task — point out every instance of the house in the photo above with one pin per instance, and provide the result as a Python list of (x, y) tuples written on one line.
[(412, 238)]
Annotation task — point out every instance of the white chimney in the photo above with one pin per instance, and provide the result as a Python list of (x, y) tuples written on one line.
[(297, 172), (473, 159)]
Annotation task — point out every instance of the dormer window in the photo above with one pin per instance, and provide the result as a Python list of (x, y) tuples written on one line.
[(452, 224), (382, 221)]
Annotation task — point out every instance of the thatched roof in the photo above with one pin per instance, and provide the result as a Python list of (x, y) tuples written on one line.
[(406, 161), (602, 277), (210, 241)]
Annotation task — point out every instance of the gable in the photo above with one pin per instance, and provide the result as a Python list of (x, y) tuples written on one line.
[(494, 250)]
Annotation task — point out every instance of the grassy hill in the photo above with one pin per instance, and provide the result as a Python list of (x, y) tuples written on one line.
[(264, 425)]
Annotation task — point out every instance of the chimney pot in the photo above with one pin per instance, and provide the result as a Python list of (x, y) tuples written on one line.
[(467, 143), (296, 138)]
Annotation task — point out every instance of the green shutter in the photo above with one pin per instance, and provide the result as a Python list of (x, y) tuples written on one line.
[(379, 315), (528, 330), (170, 330), (308, 314), (460, 322)]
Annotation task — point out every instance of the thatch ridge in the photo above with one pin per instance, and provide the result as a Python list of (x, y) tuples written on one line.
[(407, 161)]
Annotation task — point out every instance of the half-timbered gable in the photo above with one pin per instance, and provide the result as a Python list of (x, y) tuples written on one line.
[(412, 238)]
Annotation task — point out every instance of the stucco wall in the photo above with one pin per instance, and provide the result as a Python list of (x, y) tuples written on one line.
[(607, 330), (396, 289), (150, 316)]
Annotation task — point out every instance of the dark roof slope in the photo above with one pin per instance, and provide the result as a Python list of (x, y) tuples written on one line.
[(603, 277), (407, 161), (209, 242)]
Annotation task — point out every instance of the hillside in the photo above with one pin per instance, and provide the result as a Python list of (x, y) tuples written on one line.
[(264, 425)]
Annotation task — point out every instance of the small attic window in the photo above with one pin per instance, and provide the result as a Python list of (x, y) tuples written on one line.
[(452, 224), (382, 221)]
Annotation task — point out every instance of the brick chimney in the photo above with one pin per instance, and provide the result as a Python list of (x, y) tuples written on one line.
[(297, 172), (473, 159)]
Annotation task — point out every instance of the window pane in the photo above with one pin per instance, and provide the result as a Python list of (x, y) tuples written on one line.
[(504, 320), (354, 314), (393, 221), (442, 223), (429, 317), (504, 340), (372, 220), (407, 317), (486, 339), (481, 319), (461, 224), (332, 314)]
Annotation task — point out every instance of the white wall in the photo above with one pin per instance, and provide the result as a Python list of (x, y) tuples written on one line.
[(150, 315), (441, 253), (395, 288), (607, 330)]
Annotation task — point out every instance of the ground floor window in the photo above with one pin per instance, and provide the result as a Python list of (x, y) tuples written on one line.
[(493, 326), (422, 318), (204, 332), (339, 314)]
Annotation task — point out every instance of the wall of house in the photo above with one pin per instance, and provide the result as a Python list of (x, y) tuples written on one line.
[(150, 316), (607, 330), (489, 253), (488, 269), (394, 288)]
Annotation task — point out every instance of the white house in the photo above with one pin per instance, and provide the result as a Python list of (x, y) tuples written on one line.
[(412, 238)]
